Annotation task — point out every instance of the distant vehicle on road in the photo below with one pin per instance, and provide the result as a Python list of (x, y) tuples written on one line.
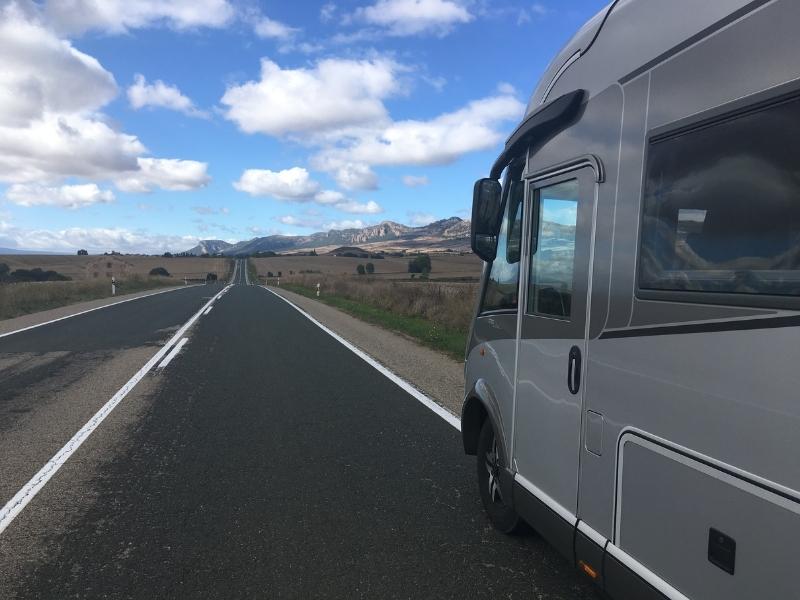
[(632, 374)]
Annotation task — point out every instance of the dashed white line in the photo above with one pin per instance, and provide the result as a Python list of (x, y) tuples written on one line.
[(21, 499), (208, 310), (83, 312), (391, 375), (173, 354)]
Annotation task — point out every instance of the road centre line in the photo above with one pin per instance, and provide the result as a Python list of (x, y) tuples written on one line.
[(83, 312), (391, 375), (174, 352), (21, 499)]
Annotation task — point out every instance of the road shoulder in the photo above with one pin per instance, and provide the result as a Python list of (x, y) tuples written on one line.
[(438, 376)]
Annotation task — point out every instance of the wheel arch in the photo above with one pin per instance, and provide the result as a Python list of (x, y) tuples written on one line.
[(480, 404)]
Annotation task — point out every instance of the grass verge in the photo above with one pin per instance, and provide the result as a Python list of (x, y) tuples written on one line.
[(449, 340), (17, 299)]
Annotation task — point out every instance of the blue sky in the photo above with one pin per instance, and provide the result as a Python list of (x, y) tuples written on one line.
[(144, 126)]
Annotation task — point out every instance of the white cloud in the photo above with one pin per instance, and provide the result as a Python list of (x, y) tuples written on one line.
[(335, 94), (354, 176), (410, 17), (345, 224), (166, 173), (290, 184), (329, 197), (210, 210), (118, 16), (360, 208), (159, 94), (50, 127), (418, 219), (66, 196), (95, 240), (44, 74), (415, 180), (438, 141), (290, 220), (264, 27)]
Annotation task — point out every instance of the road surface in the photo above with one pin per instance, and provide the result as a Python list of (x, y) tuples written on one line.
[(265, 460)]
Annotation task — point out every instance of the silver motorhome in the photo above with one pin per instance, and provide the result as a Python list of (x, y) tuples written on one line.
[(633, 370)]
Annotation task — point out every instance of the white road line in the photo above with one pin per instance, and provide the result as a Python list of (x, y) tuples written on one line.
[(21, 499), (173, 354), (83, 312), (391, 375), (208, 310)]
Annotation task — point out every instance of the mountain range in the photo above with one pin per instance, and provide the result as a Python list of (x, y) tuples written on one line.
[(452, 234)]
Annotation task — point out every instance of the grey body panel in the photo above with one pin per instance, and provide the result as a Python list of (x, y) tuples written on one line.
[(720, 401)]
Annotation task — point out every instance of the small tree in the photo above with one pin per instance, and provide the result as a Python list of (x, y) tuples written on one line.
[(83, 252), (280, 274), (360, 269), (269, 274), (370, 268), (420, 264), (313, 252), (167, 255), (159, 272)]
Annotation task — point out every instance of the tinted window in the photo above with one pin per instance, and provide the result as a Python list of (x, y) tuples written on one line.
[(722, 207), (551, 282), (502, 287)]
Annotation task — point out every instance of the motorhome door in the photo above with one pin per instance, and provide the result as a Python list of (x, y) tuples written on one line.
[(552, 340)]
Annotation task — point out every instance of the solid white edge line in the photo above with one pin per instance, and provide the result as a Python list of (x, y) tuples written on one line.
[(173, 354), (396, 379), (21, 499), (83, 312)]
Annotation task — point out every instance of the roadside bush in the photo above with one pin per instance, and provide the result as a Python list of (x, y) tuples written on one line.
[(31, 275), (370, 268), (159, 272), (360, 269)]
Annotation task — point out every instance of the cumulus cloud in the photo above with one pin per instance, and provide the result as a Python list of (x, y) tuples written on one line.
[(65, 196), (293, 184), (166, 173), (118, 16), (360, 208), (50, 127), (44, 74), (350, 175), (345, 224), (334, 94), (415, 180), (411, 17), (95, 240), (159, 94), (438, 141)]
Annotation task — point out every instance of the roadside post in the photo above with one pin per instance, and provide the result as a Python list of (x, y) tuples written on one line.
[(113, 286), (317, 290), (279, 282), (184, 281)]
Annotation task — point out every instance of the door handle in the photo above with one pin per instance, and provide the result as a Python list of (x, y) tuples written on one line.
[(574, 370)]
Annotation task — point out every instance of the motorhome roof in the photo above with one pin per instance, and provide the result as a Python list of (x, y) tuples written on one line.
[(621, 40)]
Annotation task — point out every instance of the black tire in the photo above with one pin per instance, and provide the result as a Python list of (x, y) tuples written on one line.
[(501, 513)]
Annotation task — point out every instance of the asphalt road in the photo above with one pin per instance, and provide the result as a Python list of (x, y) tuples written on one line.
[(265, 461)]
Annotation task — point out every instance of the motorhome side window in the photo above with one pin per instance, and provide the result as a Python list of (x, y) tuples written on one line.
[(551, 279), (502, 287), (722, 207)]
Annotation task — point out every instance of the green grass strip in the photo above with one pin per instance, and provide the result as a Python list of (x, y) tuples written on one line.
[(444, 339)]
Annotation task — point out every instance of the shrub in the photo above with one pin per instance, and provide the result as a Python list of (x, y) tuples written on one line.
[(25, 275), (360, 269), (420, 264), (83, 253), (159, 272), (211, 277), (370, 268)]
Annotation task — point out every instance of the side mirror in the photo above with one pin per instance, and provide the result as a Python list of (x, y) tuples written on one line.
[(486, 217)]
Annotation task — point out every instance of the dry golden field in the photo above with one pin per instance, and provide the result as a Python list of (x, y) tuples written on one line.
[(445, 265), (89, 268)]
